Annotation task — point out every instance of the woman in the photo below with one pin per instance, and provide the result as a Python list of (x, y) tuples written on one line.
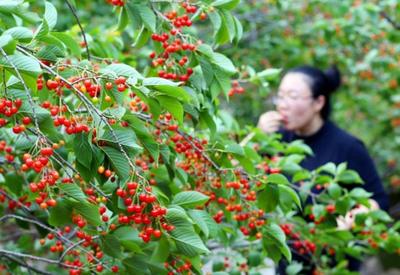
[(302, 112)]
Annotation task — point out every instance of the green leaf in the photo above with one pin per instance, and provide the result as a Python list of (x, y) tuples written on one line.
[(381, 215), (155, 108), (215, 19), (229, 23), (208, 120), (225, 4), (168, 90), (267, 74), (343, 205), (118, 161), (136, 265), (84, 172), (330, 168), (273, 251), (123, 19), (234, 148), (125, 136), (123, 70), (50, 15), (83, 149), (14, 182), (246, 163), (50, 52), (172, 105), (69, 42), (148, 16), (7, 43), (24, 64), (51, 40), (359, 193), (111, 246), (109, 186), (223, 62), (222, 35), (238, 30), (161, 252), (275, 234), (334, 190), (141, 38), (89, 211), (294, 268), (205, 222), (291, 192), (61, 214), (127, 233), (221, 83), (138, 125), (158, 81), (151, 146), (176, 214), (42, 31), (187, 241), (298, 147), (23, 142), (268, 198), (190, 199), (72, 190), (278, 179), (20, 33), (349, 177)]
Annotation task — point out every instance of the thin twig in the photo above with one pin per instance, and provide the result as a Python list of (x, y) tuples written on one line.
[(23, 206), (390, 20), (29, 267), (80, 26), (36, 258), (72, 247), (56, 233)]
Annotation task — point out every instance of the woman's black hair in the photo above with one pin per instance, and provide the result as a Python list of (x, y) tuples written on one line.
[(321, 83)]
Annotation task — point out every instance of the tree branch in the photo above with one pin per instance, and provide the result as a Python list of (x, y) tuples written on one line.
[(390, 20), (57, 235), (80, 26), (29, 267), (36, 258)]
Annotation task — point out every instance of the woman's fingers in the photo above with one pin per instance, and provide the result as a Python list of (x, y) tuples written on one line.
[(342, 223), (269, 122)]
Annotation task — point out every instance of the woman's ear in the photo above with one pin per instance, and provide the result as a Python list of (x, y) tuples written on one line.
[(320, 102)]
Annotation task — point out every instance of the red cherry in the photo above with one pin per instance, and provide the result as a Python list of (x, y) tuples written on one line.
[(18, 103), (157, 233), (47, 151), (132, 185), (51, 202), (26, 120), (109, 86), (330, 208), (120, 80), (17, 129), (121, 87), (120, 192)]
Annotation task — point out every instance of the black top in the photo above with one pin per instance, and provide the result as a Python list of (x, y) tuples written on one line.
[(332, 144)]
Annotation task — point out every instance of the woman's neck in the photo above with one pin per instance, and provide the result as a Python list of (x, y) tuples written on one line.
[(311, 128)]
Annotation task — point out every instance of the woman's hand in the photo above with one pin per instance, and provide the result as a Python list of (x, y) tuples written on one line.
[(347, 222), (269, 122)]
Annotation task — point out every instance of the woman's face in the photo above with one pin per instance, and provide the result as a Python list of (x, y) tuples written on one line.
[(295, 102)]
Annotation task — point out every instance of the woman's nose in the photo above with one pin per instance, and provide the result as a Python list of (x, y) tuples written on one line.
[(282, 105)]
